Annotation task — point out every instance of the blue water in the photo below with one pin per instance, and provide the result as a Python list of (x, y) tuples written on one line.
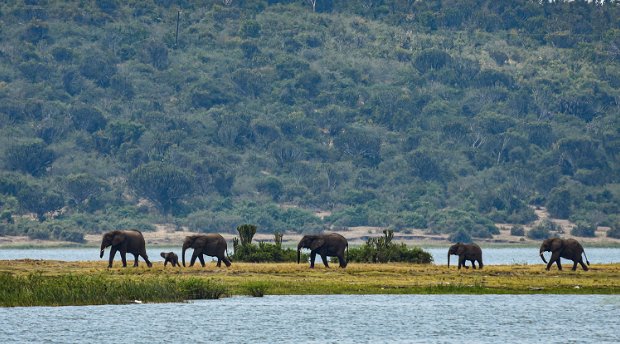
[(327, 319), (491, 256)]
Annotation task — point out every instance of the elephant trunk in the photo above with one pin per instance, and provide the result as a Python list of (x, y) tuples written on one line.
[(102, 250), (298, 255), (542, 256), (448, 259), (183, 254)]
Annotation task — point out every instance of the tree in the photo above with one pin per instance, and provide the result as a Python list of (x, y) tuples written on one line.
[(431, 59), (30, 156), (39, 200), (88, 118), (361, 143), (163, 184), (82, 187), (559, 203)]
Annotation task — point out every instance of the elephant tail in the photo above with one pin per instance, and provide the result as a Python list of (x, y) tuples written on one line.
[(584, 254)]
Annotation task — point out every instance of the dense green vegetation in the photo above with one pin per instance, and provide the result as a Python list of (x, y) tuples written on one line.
[(445, 115), (245, 251), (93, 289), (383, 250)]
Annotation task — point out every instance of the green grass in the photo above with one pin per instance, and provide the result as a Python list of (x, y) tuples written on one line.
[(55, 283)]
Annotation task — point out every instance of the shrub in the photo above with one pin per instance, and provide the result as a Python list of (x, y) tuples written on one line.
[(245, 251), (460, 236), (383, 250), (264, 252), (539, 232), (614, 232), (517, 231), (583, 229)]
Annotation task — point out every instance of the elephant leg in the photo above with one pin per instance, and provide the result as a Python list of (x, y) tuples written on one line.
[(343, 263), (202, 260), (312, 259), (166, 263), (124, 258), (325, 261), (559, 263), (555, 256), (473, 265), (585, 267), (194, 256), (574, 265), (226, 261), (480, 265), (112, 254), (462, 262), (146, 259), (135, 260), (219, 262)]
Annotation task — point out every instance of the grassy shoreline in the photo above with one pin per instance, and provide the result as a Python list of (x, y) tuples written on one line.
[(56, 283)]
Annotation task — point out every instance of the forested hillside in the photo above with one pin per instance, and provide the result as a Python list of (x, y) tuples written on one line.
[(444, 115)]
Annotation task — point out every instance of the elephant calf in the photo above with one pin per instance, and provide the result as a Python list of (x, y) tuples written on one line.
[(471, 252), (170, 257)]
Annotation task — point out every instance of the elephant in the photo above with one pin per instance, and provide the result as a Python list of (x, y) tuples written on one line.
[(471, 252), (213, 245), (563, 248), (170, 257), (332, 244), (125, 241)]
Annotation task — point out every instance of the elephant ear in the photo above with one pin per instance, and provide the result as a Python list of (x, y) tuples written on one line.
[(557, 245), (317, 243), (460, 250), (118, 238)]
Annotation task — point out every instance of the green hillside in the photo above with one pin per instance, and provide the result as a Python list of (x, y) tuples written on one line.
[(444, 115)]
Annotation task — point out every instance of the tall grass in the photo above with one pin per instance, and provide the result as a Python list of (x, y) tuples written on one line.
[(36, 289)]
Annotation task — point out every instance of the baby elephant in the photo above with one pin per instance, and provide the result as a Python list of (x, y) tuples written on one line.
[(170, 257)]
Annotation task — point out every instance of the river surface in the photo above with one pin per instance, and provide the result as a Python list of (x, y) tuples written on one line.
[(490, 256), (327, 319)]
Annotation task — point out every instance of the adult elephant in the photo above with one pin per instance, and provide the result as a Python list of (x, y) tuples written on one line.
[(563, 248), (213, 245), (325, 245), (471, 252), (125, 241)]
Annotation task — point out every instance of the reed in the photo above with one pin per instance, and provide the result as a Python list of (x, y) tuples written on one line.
[(54, 283)]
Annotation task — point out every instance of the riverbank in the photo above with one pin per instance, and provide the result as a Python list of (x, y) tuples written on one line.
[(56, 283)]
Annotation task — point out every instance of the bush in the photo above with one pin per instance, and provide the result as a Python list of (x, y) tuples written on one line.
[(245, 251), (263, 253), (382, 250), (539, 232), (460, 236), (517, 231), (614, 232), (583, 229)]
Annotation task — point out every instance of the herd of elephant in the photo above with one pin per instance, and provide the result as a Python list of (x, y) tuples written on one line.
[(325, 245)]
